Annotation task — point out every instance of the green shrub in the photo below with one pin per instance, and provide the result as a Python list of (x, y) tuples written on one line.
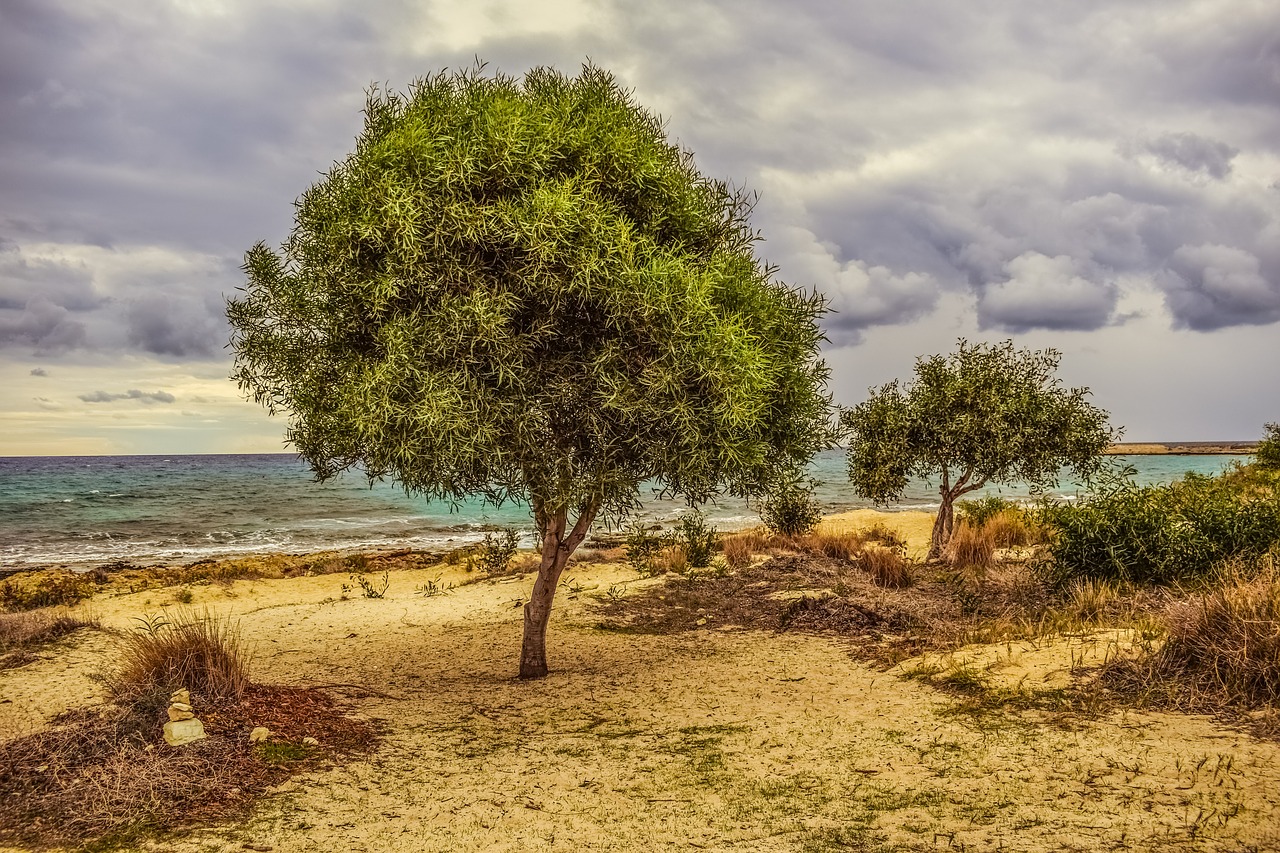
[(643, 548), (494, 555), (696, 538), (1267, 456), (1160, 534), (791, 510), (981, 510)]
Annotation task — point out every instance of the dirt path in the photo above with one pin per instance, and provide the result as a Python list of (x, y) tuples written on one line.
[(704, 740)]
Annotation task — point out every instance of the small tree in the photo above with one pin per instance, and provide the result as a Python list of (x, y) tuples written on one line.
[(520, 290), (1268, 453), (985, 414)]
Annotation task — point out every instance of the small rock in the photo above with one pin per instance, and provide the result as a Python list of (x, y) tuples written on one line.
[(310, 741), (182, 696), (179, 732), (259, 734), (176, 713)]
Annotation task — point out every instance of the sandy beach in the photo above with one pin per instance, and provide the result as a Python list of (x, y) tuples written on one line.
[(715, 739)]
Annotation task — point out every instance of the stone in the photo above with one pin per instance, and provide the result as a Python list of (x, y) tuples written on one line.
[(259, 734), (182, 696), (310, 741), (177, 713), (179, 732)]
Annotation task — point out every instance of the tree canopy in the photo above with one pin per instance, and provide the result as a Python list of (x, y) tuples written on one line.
[(987, 413), (519, 289)]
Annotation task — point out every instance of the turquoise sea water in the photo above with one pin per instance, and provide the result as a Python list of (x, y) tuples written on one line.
[(94, 509)]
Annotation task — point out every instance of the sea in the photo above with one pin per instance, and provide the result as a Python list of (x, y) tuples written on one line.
[(92, 510)]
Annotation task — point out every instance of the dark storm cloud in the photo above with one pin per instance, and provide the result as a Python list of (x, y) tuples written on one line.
[(184, 328), (147, 397), (1039, 158), (39, 371)]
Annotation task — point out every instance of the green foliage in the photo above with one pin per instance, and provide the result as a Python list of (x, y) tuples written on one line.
[(1162, 534), (791, 509), (643, 548), (987, 413), (697, 539), (1268, 452), (494, 555), (519, 289), (368, 588), (981, 510)]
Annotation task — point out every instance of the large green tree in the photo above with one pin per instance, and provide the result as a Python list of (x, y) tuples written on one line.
[(519, 289), (984, 414)]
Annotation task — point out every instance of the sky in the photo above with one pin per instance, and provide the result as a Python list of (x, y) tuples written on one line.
[(1100, 176)]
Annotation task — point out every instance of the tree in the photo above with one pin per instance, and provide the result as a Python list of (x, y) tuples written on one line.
[(1268, 453), (985, 414), (520, 290)]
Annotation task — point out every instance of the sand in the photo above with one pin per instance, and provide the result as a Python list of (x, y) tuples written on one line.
[(706, 740)]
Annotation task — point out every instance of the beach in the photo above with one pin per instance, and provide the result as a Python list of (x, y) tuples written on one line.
[(717, 737)]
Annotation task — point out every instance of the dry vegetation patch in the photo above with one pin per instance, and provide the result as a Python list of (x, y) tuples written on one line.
[(105, 776), (21, 634)]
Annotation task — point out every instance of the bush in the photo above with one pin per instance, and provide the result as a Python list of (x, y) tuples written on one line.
[(201, 653), (696, 538), (643, 549), (838, 546), (1161, 534), (791, 510), (494, 555), (981, 510), (1268, 453)]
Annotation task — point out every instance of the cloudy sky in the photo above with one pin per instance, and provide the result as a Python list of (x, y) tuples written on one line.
[(1099, 176)]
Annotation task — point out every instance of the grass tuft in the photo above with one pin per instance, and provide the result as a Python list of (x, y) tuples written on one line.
[(1224, 646), (888, 567), (200, 652), (972, 547)]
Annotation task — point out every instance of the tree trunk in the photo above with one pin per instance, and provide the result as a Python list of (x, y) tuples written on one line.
[(557, 547), (943, 526)]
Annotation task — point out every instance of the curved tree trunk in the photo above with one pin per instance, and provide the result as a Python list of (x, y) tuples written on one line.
[(557, 547), (943, 526)]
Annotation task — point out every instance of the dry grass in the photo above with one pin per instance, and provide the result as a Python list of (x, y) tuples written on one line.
[(200, 652), (888, 567), (20, 633), (844, 545), (105, 777), (1222, 650), (1088, 598), (971, 547), (1010, 528), (737, 550)]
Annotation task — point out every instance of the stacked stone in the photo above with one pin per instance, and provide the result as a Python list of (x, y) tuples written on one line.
[(183, 727)]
